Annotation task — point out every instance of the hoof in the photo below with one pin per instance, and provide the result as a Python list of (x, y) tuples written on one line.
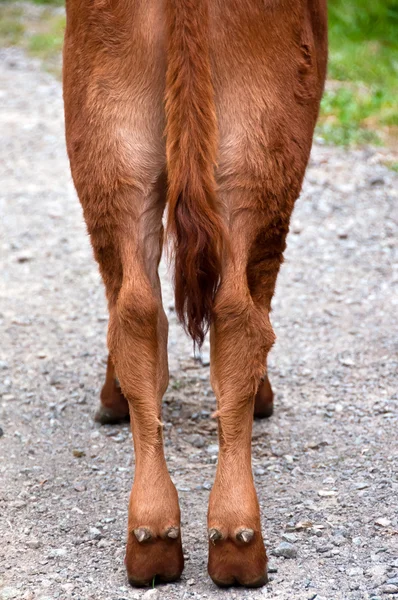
[(109, 416), (152, 557), (237, 561), (264, 402)]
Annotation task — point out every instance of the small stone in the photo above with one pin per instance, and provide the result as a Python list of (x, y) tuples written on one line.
[(389, 589), (272, 568), (286, 550), (79, 486), (191, 582), (327, 493), (392, 581), (289, 537), (78, 453), (259, 471), (324, 548), (24, 257), (8, 592), (33, 543), (212, 449), (18, 504), (354, 586), (339, 540), (196, 440), (205, 359), (355, 572), (1, 432), (303, 525), (376, 180), (55, 379), (151, 595), (357, 541), (361, 485), (58, 552), (95, 533), (383, 522)]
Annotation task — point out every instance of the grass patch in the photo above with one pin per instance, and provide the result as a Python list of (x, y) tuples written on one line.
[(12, 28), (360, 101), (48, 43), (50, 2), (37, 29)]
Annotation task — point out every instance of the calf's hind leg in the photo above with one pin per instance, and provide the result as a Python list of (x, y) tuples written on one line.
[(137, 338), (114, 406), (241, 337)]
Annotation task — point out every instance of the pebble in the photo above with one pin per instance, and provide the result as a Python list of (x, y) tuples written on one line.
[(272, 568), (355, 572), (79, 486), (33, 543), (212, 449), (361, 485), (151, 595), (18, 504), (339, 540), (327, 493), (196, 440), (7, 593), (289, 537), (286, 550), (1, 432), (324, 548), (95, 533), (383, 522), (389, 589), (78, 453), (259, 471)]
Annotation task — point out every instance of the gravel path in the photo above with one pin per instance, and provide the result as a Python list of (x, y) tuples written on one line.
[(325, 464)]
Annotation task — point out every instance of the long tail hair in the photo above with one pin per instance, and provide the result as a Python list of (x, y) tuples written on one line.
[(191, 143)]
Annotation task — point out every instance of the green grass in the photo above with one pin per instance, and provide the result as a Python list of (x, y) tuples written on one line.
[(11, 27), (41, 33), (360, 102), (47, 43)]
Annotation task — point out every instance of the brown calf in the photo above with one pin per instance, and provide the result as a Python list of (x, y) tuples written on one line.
[(208, 106)]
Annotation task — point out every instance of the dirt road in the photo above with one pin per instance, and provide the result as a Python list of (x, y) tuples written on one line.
[(325, 465)]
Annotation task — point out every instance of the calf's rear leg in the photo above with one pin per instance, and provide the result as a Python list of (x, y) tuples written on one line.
[(241, 337), (264, 400), (114, 407), (128, 250)]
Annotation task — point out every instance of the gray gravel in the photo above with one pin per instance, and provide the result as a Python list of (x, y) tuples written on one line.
[(325, 465)]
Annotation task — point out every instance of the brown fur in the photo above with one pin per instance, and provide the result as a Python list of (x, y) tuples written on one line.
[(191, 157), (210, 107)]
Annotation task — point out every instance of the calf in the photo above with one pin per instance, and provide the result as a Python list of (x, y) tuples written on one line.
[(208, 106)]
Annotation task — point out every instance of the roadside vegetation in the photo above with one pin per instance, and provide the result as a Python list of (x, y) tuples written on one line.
[(361, 99), (360, 103)]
